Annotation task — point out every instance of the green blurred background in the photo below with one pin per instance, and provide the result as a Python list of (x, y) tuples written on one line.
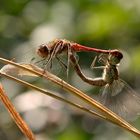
[(106, 24)]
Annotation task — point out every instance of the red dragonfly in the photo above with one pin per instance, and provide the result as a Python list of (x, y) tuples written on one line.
[(115, 94), (57, 47)]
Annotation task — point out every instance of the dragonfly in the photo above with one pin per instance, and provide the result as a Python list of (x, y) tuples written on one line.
[(55, 48), (115, 93)]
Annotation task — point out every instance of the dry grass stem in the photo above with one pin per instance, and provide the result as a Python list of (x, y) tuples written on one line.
[(15, 115), (111, 116)]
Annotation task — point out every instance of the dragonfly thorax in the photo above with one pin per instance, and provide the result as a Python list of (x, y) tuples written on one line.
[(110, 73), (53, 48)]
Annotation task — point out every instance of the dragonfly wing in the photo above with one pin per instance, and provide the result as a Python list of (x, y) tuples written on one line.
[(121, 99)]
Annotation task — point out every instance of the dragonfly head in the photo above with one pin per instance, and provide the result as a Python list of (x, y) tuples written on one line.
[(115, 57), (43, 51)]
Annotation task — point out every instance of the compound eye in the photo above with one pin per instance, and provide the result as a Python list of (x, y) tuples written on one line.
[(43, 51), (115, 57), (113, 60)]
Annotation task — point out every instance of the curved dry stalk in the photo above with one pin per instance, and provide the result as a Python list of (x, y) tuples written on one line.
[(15, 115), (95, 114), (51, 94), (112, 117)]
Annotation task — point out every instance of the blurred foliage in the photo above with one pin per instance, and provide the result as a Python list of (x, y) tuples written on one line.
[(24, 24)]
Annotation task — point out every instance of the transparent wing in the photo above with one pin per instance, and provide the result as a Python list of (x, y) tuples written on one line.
[(121, 99)]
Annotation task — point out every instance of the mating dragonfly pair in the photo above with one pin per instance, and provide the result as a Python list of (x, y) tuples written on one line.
[(115, 94)]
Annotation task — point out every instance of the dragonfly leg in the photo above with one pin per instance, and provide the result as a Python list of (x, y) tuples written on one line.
[(93, 64), (37, 62), (68, 62), (52, 55), (61, 62), (92, 81)]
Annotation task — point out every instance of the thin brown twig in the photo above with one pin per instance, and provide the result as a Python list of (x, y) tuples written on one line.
[(108, 113), (112, 117), (15, 115), (51, 94), (59, 98)]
